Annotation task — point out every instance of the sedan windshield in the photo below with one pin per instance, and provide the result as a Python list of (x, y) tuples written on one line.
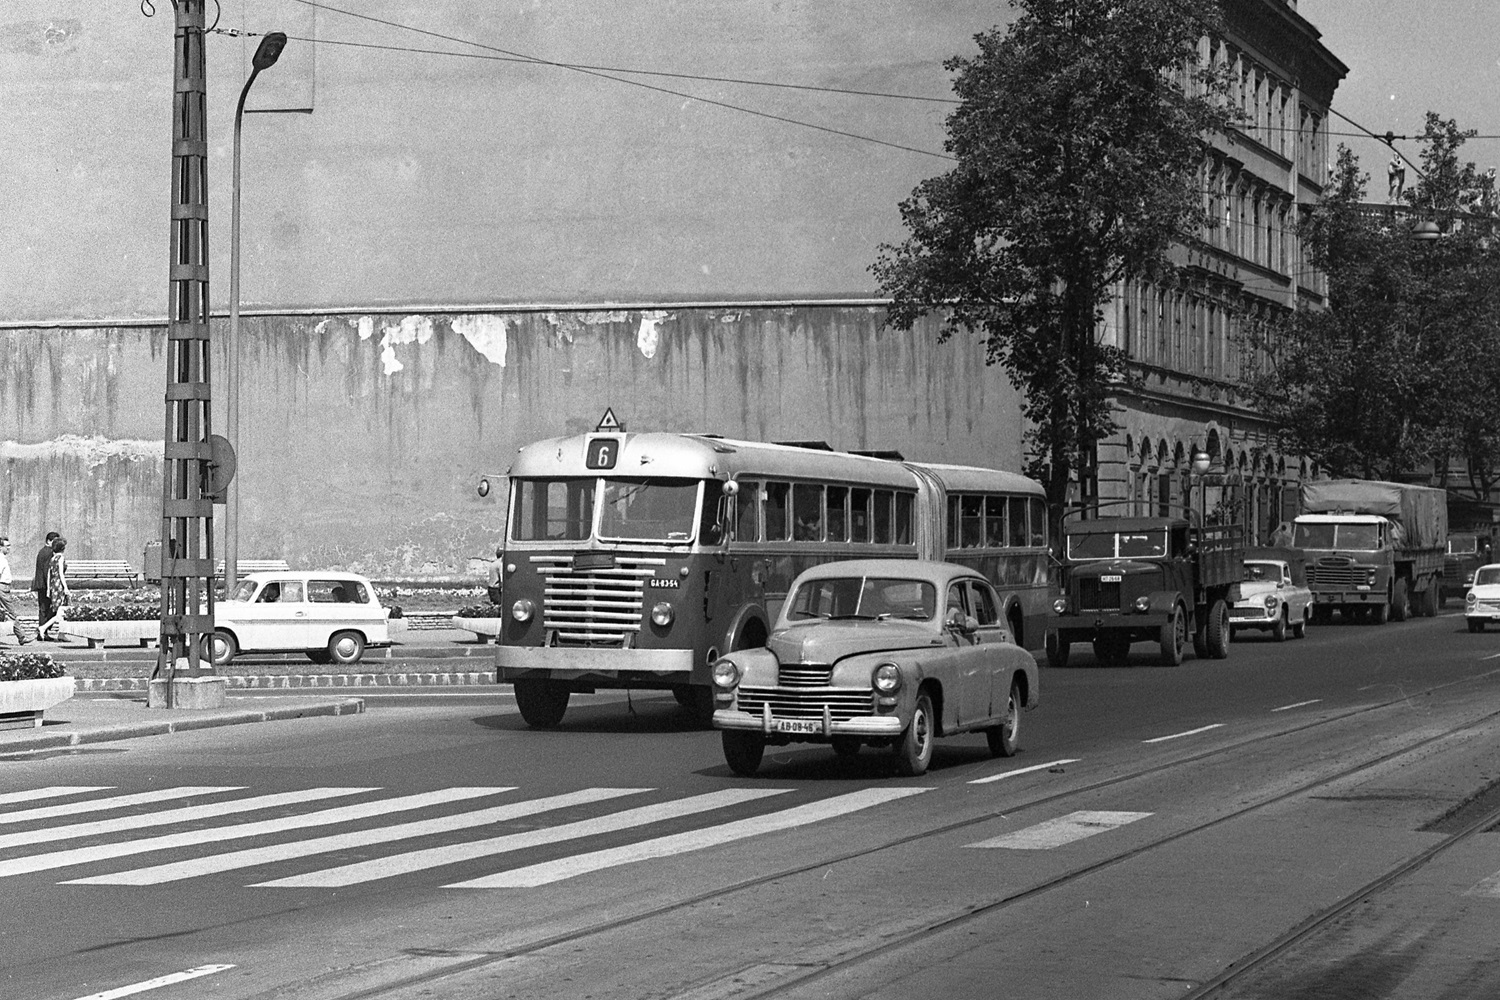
[(871, 598), (1267, 571)]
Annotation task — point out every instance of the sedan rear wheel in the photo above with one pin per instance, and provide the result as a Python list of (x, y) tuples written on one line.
[(1004, 738), (914, 748)]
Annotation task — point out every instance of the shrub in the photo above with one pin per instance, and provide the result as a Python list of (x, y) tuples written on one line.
[(131, 612), (29, 667), (480, 611)]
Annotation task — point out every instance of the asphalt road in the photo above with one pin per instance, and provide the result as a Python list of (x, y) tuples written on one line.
[(1164, 831)]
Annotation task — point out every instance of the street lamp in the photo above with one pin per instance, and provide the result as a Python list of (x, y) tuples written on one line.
[(1202, 462), (266, 54)]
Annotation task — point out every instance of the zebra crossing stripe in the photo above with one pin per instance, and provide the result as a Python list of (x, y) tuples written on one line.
[(100, 852), (1486, 888), (157, 983), (693, 840), (50, 792), (401, 864), (1063, 830), (184, 815), (115, 802), (216, 863)]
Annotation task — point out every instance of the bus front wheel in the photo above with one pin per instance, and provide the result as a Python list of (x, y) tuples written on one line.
[(542, 702)]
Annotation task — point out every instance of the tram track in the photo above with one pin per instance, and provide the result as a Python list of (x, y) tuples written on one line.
[(884, 945)]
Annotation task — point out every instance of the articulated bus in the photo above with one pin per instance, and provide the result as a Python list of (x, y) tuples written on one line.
[(632, 560)]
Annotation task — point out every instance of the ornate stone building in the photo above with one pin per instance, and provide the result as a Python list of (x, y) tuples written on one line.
[(1191, 342)]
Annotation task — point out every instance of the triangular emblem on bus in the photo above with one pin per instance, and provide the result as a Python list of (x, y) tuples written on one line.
[(608, 424)]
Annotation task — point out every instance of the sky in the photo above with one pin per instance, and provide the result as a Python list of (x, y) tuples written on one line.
[(1408, 57)]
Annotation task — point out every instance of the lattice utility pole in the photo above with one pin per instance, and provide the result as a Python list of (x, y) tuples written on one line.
[(187, 564)]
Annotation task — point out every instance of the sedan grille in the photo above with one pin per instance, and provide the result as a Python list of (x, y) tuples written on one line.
[(805, 675), (842, 705), (597, 607)]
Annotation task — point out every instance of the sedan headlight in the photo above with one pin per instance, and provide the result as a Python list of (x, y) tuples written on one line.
[(1271, 602), (1469, 598), (1060, 606), (522, 610), (725, 673), (1143, 603), (886, 678), (661, 615)]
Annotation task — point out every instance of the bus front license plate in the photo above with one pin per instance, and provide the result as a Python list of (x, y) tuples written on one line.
[(796, 726)]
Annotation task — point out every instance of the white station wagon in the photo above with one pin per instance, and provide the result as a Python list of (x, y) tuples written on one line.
[(1482, 602), (332, 617)]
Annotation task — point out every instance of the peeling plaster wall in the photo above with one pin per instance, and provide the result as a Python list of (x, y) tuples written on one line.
[(362, 437)]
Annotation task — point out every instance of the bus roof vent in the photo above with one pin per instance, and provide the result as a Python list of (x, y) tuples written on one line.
[(887, 453), (810, 445)]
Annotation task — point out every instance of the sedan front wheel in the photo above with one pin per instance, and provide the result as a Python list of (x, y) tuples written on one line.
[(914, 748)]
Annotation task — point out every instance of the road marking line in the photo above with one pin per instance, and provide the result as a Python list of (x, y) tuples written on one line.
[(433, 857), (1190, 732), (157, 983), (115, 802), (1063, 830), (50, 792), (216, 863), (1023, 770), (185, 814), (100, 852), (681, 843), (1297, 704), (1492, 656), (1489, 888)]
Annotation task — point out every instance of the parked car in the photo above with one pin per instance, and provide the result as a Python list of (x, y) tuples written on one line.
[(1274, 596), (1482, 602), (889, 653), (332, 617)]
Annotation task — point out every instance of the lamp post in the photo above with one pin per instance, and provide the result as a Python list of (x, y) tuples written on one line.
[(266, 54), (1201, 464)]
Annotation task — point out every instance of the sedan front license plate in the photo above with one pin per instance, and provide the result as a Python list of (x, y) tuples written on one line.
[(796, 726)]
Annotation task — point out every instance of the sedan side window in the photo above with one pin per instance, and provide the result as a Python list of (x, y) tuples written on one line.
[(986, 608), (958, 601)]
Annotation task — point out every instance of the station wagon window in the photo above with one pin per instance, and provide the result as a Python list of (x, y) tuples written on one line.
[(838, 514), (859, 515), (281, 592), (553, 509), (807, 512), (778, 501), (336, 592)]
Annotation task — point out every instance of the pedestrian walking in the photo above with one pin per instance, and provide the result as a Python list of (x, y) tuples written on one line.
[(492, 579), (39, 579), (57, 589), (7, 605)]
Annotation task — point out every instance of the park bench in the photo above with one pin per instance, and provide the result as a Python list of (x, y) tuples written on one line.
[(243, 566), (101, 569)]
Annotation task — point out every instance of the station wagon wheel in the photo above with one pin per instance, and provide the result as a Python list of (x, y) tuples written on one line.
[(1004, 738), (346, 647), (743, 751), (914, 747), (221, 647), (320, 656)]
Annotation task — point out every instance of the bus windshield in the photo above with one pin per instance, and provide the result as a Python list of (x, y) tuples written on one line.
[(562, 510)]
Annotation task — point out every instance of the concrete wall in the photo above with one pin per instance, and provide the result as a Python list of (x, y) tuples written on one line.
[(363, 436)]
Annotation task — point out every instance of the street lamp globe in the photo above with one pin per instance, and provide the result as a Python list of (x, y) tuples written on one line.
[(1201, 462)]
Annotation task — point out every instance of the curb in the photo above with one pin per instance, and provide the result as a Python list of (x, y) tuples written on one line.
[(464, 678), (351, 706)]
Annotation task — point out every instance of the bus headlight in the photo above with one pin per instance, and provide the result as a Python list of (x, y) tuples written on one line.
[(886, 678), (725, 673), (1060, 606), (522, 610), (1143, 603), (661, 615)]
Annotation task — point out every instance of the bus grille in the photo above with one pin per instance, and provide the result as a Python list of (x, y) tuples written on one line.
[(1338, 574), (597, 607), (842, 705), (1096, 596), (805, 675)]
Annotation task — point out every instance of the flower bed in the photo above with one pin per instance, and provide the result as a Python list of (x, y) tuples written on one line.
[(484, 620), (30, 683)]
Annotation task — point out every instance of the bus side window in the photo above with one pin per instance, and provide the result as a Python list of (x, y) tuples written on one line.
[(838, 513), (807, 510), (747, 512), (1018, 522), (971, 511), (1038, 522), (778, 505), (859, 515), (905, 525), (994, 522), (883, 516)]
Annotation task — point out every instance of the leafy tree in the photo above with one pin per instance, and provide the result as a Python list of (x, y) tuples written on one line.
[(1078, 142), (1400, 369)]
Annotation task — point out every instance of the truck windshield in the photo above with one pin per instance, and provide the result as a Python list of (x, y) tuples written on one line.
[(562, 510), (1462, 545), (1148, 544), (1359, 537)]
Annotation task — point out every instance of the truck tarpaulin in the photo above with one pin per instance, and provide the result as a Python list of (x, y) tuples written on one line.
[(1421, 510)]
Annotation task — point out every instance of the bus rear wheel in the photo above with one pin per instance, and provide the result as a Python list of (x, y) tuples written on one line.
[(542, 702)]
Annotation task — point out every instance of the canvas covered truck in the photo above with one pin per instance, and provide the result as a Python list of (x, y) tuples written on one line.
[(1374, 549), (1146, 579)]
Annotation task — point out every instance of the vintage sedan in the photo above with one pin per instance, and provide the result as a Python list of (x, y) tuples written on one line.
[(332, 617), (1482, 602), (878, 652), (1274, 596)]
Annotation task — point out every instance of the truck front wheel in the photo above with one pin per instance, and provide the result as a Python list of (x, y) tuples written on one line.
[(1173, 638), (1057, 649)]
